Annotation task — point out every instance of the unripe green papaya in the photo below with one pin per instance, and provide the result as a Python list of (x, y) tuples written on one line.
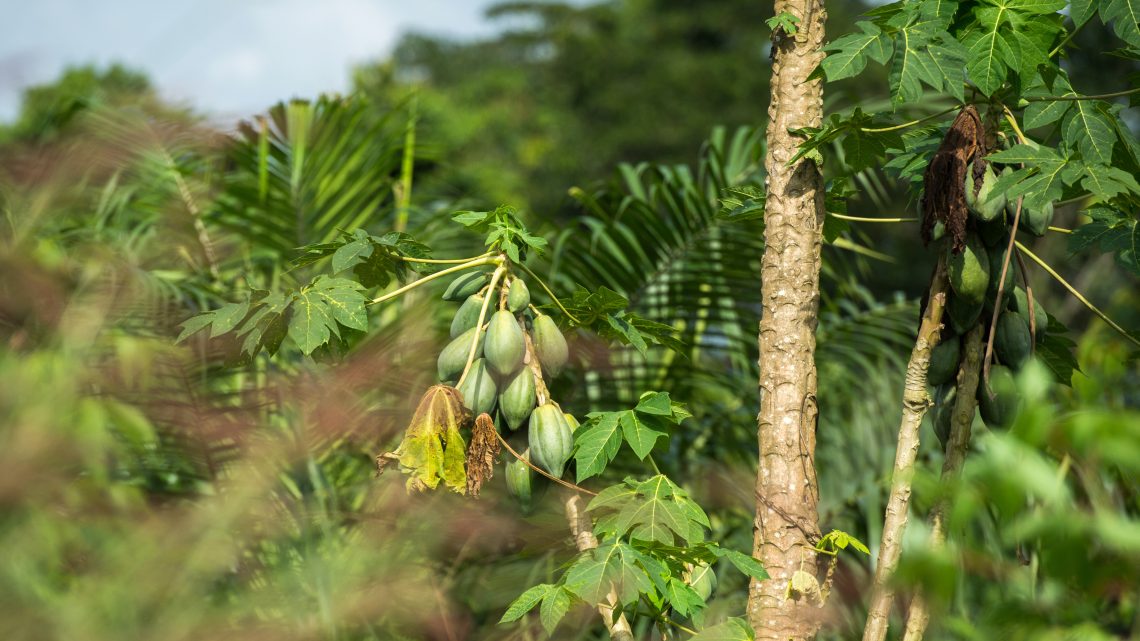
[(518, 296), (550, 345), (944, 361), (551, 442), (963, 314), (519, 479), (970, 270), (1037, 221), (943, 413), (505, 346), (478, 389), (1020, 304), (994, 233), (986, 205), (1000, 408), (1011, 340), (465, 285), (453, 357), (703, 580), (467, 315), (518, 398)]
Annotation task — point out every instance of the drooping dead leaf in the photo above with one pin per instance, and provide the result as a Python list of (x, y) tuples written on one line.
[(433, 449), (944, 183), (481, 454)]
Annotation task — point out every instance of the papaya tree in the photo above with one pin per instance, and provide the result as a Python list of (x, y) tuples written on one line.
[(1019, 149), (787, 493)]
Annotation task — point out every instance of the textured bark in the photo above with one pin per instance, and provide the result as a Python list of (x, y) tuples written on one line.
[(584, 539), (786, 527), (965, 403), (915, 403)]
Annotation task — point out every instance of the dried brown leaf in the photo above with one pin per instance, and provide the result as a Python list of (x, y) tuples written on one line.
[(944, 183), (481, 454)]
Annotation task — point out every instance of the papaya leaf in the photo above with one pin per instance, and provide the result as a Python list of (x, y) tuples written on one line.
[(555, 604), (608, 566), (851, 52), (526, 602), (743, 562), (597, 443)]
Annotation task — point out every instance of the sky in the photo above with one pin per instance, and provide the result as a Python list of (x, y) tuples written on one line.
[(228, 58)]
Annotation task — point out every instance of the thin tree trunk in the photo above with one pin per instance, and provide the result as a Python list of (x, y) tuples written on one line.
[(584, 539), (786, 526), (965, 403), (915, 403)]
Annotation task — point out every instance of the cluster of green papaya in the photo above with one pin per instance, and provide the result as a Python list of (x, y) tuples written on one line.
[(516, 349), (975, 275)]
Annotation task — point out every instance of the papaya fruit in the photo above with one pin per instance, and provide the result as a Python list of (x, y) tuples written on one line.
[(519, 478), (505, 346), (550, 439), (517, 399), (703, 580), (986, 205), (467, 315), (518, 296), (970, 270), (478, 389), (994, 233), (1000, 403), (465, 285), (943, 414), (1012, 342), (550, 345), (1037, 221), (453, 357), (944, 361), (1020, 304), (964, 314)]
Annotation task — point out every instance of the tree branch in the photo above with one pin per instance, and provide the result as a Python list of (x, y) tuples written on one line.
[(965, 402), (915, 403)]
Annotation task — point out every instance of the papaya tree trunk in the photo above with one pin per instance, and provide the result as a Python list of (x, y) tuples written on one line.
[(965, 403), (786, 526), (915, 403)]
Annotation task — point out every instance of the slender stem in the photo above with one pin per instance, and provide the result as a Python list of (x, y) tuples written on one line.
[(549, 293), (478, 325), (1029, 303), (404, 192), (444, 261), (1099, 96), (879, 130), (1073, 290), (1013, 123), (860, 219), (427, 279), (541, 471), (1060, 230), (1001, 286), (653, 464), (844, 243), (1069, 38)]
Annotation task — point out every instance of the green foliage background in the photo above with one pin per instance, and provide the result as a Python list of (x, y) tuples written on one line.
[(154, 490)]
